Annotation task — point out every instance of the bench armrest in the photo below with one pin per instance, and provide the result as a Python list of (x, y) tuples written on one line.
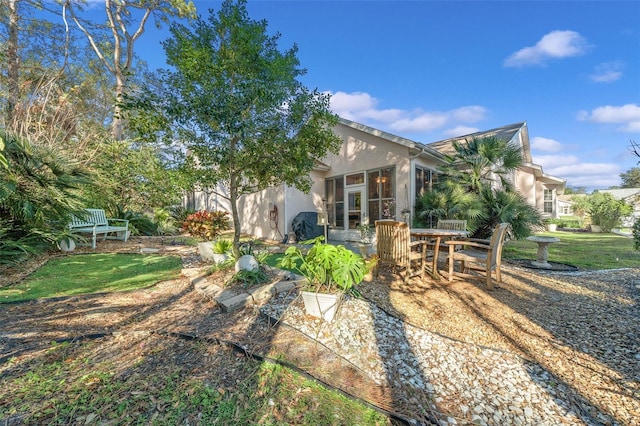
[(123, 222)]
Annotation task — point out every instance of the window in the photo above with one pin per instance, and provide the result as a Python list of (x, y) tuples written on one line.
[(548, 201), (380, 194), (379, 197), (423, 180), (334, 193)]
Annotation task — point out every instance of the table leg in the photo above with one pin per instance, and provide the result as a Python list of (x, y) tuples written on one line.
[(436, 253)]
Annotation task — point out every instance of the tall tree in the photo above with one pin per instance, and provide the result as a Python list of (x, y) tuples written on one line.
[(235, 104), (631, 178), (114, 41)]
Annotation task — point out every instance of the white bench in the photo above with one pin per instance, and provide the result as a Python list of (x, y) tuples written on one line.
[(97, 223)]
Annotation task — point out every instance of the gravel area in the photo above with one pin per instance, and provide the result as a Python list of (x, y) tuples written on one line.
[(543, 349)]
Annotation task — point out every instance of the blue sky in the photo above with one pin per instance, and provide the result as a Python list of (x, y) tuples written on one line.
[(429, 70)]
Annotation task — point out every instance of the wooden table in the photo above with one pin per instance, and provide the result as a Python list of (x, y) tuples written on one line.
[(436, 235)]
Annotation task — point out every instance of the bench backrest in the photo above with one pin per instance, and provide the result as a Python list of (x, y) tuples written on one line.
[(95, 217)]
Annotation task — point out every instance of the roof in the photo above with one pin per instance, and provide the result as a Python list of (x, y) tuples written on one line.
[(516, 131), (622, 193), (420, 148)]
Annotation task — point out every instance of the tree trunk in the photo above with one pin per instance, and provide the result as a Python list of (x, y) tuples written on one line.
[(13, 67)]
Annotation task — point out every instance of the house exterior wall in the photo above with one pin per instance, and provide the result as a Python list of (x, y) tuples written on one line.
[(362, 152)]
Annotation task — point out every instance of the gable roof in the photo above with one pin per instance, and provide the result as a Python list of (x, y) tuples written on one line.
[(419, 148), (517, 131)]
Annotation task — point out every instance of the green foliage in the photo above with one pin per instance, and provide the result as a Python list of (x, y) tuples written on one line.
[(606, 211), (326, 266), (223, 102), (223, 246), (249, 278), (636, 234), (206, 225), (631, 178), (38, 192), (139, 223), (466, 190), (448, 200)]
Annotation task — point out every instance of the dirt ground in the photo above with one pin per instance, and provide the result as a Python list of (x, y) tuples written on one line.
[(583, 328)]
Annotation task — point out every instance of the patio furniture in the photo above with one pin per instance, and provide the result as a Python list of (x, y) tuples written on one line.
[(483, 255), (96, 222), (543, 250), (394, 247), (433, 237), (454, 224)]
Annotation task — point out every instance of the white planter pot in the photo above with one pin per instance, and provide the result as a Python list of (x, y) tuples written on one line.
[(552, 227), (321, 305), (364, 249), (596, 228), (121, 235)]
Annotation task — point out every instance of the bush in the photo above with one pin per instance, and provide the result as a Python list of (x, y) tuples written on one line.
[(206, 225), (636, 234), (606, 211)]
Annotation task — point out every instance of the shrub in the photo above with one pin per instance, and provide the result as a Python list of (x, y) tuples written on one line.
[(606, 211), (206, 225), (636, 234)]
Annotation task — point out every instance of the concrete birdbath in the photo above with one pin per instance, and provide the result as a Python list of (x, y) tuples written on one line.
[(543, 250)]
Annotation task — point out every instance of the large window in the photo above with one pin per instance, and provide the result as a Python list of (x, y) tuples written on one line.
[(380, 194), (424, 180), (548, 201), (379, 202)]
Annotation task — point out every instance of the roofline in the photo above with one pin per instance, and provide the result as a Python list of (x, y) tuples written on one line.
[(421, 148)]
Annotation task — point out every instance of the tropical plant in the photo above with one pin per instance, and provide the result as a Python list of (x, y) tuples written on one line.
[(38, 193), (223, 246), (206, 225), (475, 185), (327, 268)]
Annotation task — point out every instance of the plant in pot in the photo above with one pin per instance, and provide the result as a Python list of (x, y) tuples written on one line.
[(330, 272), (221, 250), (366, 237)]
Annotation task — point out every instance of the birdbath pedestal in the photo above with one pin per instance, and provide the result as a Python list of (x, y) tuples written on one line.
[(543, 250)]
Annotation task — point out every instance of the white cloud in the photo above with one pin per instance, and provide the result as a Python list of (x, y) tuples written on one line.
[(627, 115), (607, 72), (577, 173), (461, 131), (555, 45), (363, 108), (544, 144)]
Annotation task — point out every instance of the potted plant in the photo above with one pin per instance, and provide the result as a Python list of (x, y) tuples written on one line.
[(552, 224), (221, 249), (366, 237), (330, 272)]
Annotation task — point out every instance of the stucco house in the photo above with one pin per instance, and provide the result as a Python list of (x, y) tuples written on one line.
[(375, 175), (630, 196)]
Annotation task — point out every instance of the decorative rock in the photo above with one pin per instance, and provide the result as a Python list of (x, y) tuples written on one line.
[(247, 263)]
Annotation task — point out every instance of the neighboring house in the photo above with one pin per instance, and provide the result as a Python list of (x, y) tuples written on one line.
[(564, 205), (630, 196), (375, 175)]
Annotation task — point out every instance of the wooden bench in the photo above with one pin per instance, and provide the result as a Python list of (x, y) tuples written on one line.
[(96, 223)]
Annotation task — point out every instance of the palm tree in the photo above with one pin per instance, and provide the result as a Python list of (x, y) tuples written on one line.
[(38, 191), (477, 185)]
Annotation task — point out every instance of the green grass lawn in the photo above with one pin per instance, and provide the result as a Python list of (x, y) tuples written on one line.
[(587, 251), (93, 273)]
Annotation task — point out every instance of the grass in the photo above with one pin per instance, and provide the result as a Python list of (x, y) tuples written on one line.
[(587, 251), (93, 273), (191, 383)]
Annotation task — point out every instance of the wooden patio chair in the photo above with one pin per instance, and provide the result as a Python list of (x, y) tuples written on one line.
[(454, 224), (477, 254), (394, 247)]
